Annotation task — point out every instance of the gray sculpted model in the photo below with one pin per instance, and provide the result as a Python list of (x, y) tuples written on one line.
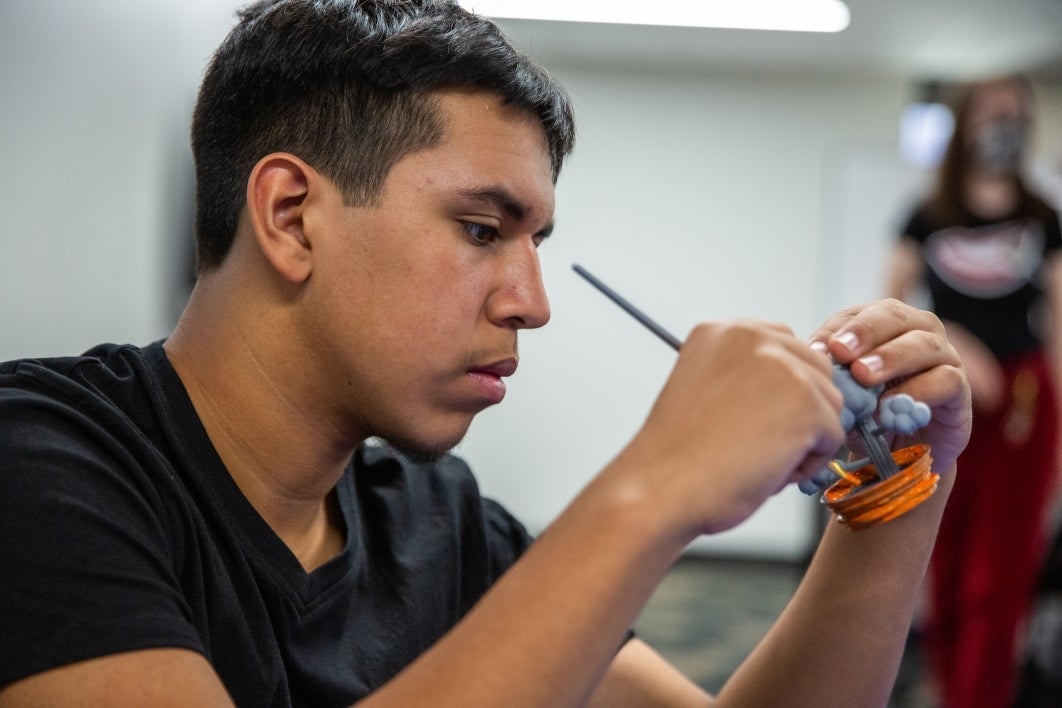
[(896, 414)]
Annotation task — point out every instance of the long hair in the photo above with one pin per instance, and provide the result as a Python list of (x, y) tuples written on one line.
[(947, 202)]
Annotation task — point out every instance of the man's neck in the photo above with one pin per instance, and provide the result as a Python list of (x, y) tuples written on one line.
[(284, 459)]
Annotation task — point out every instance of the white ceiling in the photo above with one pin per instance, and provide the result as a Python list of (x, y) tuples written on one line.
[(919, 39)]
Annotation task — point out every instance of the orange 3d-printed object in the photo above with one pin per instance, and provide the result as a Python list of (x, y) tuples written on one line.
[(861, 500)]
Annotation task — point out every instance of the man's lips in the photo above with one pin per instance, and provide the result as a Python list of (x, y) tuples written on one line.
[(488, 378), (500, 369)]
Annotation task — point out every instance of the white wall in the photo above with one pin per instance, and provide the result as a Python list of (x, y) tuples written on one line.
[(696, 194), (94, 103)]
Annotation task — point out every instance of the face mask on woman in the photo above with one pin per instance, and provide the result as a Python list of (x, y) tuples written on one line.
[(998, 146)]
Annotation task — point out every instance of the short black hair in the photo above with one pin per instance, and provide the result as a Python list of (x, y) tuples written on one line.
[(348, 86)]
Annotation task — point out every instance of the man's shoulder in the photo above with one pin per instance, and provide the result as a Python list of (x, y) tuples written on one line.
[(106, 370), (436, 503), (101, 367), (88, 401)]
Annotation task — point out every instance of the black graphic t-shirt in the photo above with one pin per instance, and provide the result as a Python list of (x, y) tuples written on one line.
[(986, 275)]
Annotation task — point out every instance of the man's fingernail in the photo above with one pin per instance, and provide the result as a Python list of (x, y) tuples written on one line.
[(819, 346), (849, 340), (872, 362)]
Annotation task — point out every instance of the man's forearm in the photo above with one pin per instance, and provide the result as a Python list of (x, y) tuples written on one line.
[(840, 640)]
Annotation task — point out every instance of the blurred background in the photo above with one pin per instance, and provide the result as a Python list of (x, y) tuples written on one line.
[(718, 173)]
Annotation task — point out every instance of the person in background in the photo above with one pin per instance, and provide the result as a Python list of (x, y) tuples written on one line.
[(206, 520), (985, 248)]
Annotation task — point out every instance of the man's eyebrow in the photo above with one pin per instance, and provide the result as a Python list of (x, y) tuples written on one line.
[(500, 198), (503, 199)]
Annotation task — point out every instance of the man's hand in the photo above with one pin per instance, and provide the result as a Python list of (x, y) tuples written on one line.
[(747, 409), (906, 349)]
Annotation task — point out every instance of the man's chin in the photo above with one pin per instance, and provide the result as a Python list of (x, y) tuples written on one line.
[(422, 455), (422, 451)]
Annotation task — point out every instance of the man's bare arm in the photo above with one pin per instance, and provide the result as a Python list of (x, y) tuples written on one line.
[(152, 677)]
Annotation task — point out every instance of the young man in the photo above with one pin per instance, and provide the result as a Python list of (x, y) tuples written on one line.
[(201, 521)]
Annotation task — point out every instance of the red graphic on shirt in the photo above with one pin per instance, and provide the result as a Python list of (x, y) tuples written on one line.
[(985, 262)]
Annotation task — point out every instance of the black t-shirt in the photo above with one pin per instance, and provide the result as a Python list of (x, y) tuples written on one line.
[(122, 530), (986, 275)]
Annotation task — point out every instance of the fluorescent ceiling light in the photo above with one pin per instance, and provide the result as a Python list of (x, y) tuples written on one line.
[(792, 15)]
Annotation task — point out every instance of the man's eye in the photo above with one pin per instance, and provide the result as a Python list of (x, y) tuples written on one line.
[(482, 235)]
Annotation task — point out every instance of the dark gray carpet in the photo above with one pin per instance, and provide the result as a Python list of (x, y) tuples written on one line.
[(708, 614)]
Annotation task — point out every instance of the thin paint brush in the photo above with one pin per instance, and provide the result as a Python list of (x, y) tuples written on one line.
[(631, 309)]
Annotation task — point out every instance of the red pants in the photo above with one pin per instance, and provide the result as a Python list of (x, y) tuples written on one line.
[(991, 543)]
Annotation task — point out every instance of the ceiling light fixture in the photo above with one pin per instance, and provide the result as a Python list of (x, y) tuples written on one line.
[(785, 15)]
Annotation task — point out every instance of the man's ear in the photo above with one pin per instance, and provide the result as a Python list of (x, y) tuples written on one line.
[(276, 199)]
